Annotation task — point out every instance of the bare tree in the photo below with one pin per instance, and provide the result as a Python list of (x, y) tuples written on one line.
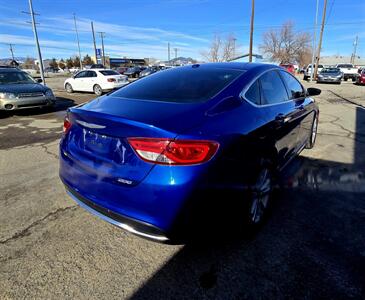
[(220, 50), (287, 46)]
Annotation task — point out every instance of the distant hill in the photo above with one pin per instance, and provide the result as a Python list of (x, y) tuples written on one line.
[(5, 61), (181, 61)]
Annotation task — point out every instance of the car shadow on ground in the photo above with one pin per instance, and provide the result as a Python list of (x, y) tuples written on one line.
[(312, 246), (61, 104)]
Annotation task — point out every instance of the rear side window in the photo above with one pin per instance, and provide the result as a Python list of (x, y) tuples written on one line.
[(295, 89), (81, 74), (272, 88), (109, 72), (91, 74), (253, 93), (181, 85)]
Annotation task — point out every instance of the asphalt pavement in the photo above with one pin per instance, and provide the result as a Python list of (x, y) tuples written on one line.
[(312, 247)]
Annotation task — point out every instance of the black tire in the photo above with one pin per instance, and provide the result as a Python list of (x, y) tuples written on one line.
[(313, 136), (68, 88), (345, 79), (305, 77), (98, 91), (260, 196)]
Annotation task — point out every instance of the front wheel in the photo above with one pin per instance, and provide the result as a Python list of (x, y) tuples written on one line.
[(98, 90), (313, 135), (69, 88)]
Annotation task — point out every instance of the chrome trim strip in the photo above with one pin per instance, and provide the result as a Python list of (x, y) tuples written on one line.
[(90, 125), (129, 228)]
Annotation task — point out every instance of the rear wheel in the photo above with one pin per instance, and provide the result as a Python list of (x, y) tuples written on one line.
[(305, 77), (69, 88), (98, 90), (345, 79), (313, 135), (260, 196)]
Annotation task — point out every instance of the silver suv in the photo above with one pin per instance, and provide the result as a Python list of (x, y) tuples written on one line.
[(18, 90)]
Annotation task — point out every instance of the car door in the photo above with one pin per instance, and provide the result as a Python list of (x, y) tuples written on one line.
[(78, 81), (302, 110), (279, 111), (90, 80)]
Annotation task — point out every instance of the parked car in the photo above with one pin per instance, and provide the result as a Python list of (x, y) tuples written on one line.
[(148, 71), (349, 71), (95, 80), (18, 90), (331, 75), (97, 66), (289, 67), (361, 78), (308, 71), (147, 156), (121, 70), (133, 72)]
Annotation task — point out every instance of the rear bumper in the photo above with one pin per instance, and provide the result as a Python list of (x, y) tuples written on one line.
[(136, 227), (15, 104), (116, 85)]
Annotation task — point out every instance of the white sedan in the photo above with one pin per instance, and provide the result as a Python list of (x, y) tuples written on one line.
[(95, 80)]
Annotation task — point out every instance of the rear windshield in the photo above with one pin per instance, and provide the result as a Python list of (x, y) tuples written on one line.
[(345, 66), (109, 72), (181, 85)]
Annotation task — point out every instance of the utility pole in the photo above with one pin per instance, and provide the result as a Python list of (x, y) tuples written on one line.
[(168, 52), (320, 39), (175, 49), (314, 40), (251, 30), (78, 42), (355, 48), (96, 55), (102, 35), (11, 51), (34, 26)]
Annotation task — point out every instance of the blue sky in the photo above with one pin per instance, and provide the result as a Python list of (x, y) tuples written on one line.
[(142, 28)]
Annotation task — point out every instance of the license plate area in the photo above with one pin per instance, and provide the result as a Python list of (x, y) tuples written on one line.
[(97, 143)]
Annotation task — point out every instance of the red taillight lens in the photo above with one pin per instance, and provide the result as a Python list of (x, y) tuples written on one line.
[(173, 152), (66, 125), (111, 80)]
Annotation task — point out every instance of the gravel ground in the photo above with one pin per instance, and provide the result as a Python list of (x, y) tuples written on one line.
[(313, 246)]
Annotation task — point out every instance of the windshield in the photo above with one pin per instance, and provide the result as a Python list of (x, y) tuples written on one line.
[(109, 72), (330, 70), (182, 85), (15, 78)]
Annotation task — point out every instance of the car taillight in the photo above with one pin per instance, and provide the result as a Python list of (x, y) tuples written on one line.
[(173, 152), (66, 125), (111, 79)]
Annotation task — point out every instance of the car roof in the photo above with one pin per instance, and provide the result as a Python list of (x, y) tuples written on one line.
[(234, 65), (8, 70)]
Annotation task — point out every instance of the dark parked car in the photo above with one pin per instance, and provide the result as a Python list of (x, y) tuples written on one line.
[(121, 70), (133, 72), (158, 155), (18, 90), (148, 71), (97, 66), (330, 75)]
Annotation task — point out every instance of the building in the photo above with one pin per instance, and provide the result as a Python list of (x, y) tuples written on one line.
[(341, 59)]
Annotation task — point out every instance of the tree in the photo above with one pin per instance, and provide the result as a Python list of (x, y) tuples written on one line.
[(53, 64), (87, 60), (69, 63), (29, 63), (287, 46), (220, 50), (76, 61), (61, 64)]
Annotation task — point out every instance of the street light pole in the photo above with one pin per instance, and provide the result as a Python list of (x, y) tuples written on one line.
[(36, 41), (78, 42), (251, 30)]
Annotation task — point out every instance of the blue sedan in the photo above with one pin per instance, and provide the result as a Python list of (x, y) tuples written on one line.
[(153, 156)]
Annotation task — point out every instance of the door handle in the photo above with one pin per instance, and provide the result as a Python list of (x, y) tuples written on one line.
[(280, 118)]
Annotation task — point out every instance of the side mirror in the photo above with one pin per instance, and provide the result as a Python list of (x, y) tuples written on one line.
[(313, 91), (39, 80)]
